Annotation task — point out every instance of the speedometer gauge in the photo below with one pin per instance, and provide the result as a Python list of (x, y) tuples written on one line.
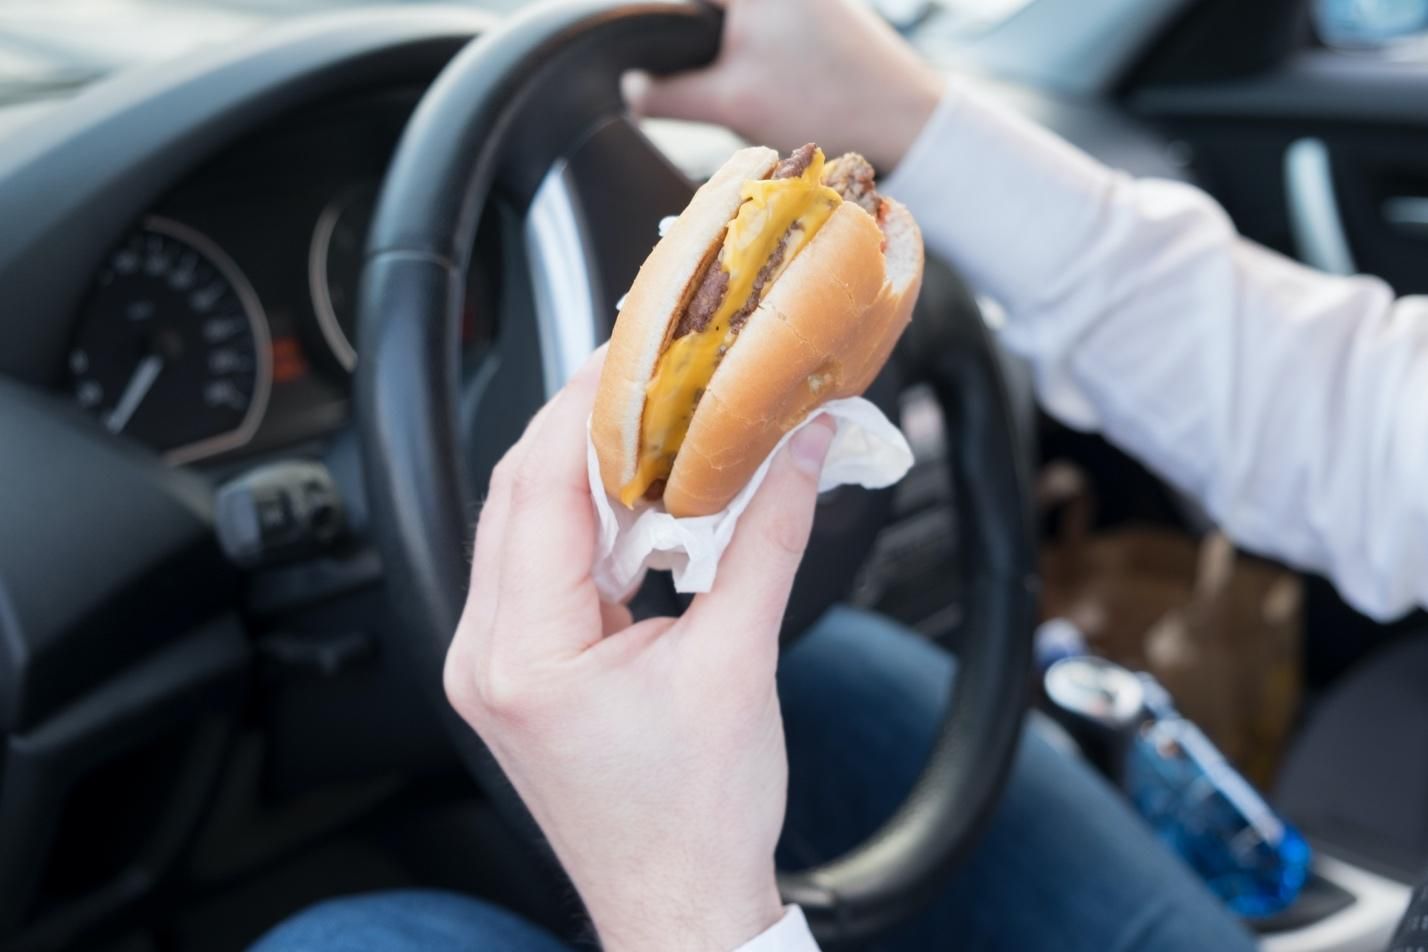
[(173, 347)]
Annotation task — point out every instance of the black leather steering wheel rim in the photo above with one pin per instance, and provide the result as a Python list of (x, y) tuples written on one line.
[(452, 153)]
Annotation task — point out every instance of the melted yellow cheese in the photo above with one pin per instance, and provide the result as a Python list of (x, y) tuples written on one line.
[(771, 207)]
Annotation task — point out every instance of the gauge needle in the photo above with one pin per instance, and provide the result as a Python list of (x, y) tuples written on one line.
[(138, 387)]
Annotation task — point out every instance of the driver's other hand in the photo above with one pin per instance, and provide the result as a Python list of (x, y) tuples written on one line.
[(651, 754), (796, 71)]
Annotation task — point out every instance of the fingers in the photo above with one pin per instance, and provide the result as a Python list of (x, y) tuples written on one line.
[(492, 542), (757, 571), (484, 591), (549, 532), (491, 521), (696, 95)]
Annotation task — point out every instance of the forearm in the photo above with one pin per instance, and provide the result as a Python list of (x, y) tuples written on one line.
[(1291, 403)]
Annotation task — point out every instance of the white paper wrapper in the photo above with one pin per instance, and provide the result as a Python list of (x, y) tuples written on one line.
[(868, 450)]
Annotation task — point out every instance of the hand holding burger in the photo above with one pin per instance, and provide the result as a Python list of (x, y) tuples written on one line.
[(783, 285), (650, 753)]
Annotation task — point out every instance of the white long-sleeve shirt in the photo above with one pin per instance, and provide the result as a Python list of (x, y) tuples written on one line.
[(1291, 403)]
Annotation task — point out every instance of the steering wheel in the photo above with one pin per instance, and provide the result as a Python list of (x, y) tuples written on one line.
[(524, 98)]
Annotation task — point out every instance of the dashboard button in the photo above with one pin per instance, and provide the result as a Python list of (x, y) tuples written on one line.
[(278, 511), (275, 517)]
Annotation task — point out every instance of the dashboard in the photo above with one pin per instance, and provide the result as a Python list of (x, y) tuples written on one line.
[(195, 290), (223, 322)]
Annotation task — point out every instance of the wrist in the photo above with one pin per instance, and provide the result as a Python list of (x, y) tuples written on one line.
[(701, 922), (904, 116)]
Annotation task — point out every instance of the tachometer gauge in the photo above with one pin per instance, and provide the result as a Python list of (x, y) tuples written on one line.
[(173, 347), (334, 268)]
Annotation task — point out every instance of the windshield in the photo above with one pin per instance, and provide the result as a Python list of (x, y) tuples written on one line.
[(48, 47)]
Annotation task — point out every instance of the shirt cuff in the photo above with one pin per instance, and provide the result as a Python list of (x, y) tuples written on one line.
[(789, 934)]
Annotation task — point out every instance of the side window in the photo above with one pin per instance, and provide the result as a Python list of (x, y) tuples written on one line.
[(1397, 26)]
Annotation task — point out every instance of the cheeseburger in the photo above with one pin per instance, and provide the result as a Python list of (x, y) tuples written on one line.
[(783, 285)]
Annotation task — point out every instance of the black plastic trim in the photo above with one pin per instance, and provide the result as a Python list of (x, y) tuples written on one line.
[(105, 554), (1315, 86), (194, 687), (1223, 39)]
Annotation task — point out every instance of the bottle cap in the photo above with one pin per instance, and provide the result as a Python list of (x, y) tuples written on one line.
[(1096, 690)]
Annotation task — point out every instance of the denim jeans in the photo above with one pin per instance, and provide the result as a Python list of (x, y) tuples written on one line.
[(1064, 864)]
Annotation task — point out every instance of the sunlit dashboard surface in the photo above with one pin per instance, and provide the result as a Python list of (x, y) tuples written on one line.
[(224, 322)]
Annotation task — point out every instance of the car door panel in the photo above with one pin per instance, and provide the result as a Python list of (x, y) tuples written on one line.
[(1365, 115)]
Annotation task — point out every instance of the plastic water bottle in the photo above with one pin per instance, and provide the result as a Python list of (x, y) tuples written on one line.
[(1210, 815), (1127, 726)]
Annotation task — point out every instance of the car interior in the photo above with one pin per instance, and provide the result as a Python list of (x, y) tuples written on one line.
[(281, 282)]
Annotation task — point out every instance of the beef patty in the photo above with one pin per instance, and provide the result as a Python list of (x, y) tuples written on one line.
[(850, 175)]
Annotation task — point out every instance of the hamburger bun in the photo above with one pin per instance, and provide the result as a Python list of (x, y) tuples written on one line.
[(822, 329)]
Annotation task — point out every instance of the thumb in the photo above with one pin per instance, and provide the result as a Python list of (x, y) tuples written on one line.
[(693, 95), (757, 571)]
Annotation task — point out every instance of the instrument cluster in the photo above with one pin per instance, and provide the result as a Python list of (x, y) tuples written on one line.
[(224, 322)]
